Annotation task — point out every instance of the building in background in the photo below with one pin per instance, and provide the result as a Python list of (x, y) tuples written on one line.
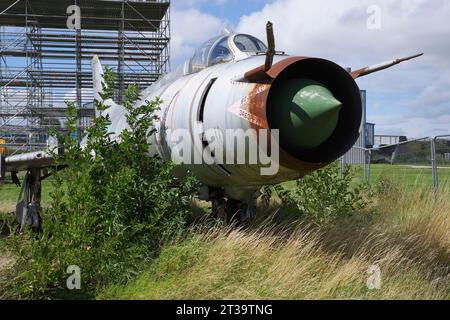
[(366, 140), (370, 134), (43, 62), (387, 140)]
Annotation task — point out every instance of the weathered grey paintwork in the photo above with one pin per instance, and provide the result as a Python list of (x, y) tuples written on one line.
[(182, 92), (214, 86)]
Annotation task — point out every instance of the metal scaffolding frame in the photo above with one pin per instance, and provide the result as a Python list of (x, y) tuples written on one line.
[(43, 63)]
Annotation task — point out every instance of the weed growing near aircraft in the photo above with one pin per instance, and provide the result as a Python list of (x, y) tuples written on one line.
[(324, 196), (110, 210)]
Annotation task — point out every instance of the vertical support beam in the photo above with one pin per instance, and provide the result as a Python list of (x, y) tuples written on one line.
[(367, 161), (3, 93), (167, 60), (121, 52), (78, 77), (35, 196), (2, 167), (434, 166), (364, 167), (29, 204), (394, 154), (28, 88)]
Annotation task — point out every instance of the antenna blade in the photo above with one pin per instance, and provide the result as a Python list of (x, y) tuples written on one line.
[(270, 46)]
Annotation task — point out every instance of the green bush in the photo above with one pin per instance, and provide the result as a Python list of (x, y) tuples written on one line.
[(324, 196), (111, 209)]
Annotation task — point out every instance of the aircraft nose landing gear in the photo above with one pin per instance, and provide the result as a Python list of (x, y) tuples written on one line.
[(238, 211), (28, 206), (230, 210)]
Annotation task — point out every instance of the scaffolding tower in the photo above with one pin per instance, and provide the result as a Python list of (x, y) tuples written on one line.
[(43, 63)]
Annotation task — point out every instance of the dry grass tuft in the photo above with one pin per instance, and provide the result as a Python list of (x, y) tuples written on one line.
[(408, 239)]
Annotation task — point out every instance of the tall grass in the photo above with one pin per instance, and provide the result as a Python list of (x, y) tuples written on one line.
[(405, 234)]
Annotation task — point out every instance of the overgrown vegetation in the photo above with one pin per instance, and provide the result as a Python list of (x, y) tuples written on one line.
[(324, 196), (116, 214), (408, 240), (110, 210)]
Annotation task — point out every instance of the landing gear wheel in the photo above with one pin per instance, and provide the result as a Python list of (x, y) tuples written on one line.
[(229, 210), (219, 208), (233, 211)]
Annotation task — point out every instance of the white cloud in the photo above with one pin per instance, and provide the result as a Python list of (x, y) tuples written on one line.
[(411, 99), (193, 3), (337, 30), (190, 28), (412, 127), (434, 101)]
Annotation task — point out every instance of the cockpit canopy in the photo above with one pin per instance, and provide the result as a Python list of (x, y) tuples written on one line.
[(225, 48)]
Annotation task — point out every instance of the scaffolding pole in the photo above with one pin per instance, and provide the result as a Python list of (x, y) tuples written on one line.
[(43, 63)]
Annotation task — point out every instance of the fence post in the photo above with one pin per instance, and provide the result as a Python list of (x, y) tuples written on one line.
[(367, 166), (2, 168), (364, 167), (434, 166)]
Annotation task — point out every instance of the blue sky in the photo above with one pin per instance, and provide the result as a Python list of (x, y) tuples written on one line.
[(411, 99)]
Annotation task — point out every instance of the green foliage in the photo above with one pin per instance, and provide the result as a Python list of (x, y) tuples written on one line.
[(175, 260), (386, 188), (324, 196), (111, 209)]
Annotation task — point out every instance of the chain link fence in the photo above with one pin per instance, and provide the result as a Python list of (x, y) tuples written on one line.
[(421, 162), (442, 161)]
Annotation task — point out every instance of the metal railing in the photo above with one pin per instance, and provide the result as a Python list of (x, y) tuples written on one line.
[(424, 161)]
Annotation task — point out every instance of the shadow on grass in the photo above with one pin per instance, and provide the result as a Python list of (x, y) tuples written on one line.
[(7, 221)]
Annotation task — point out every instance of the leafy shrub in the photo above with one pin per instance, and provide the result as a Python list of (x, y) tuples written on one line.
[(110, 211), (324, 196)]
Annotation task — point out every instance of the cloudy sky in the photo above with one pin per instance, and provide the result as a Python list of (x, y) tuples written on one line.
[(411, 99)]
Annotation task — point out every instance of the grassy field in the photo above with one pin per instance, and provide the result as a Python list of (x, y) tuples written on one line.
[(411, 176), (405, 233), (407, 238), (9, 194), (403, 175)]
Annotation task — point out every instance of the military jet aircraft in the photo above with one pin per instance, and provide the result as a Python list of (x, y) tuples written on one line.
[(235, 82)]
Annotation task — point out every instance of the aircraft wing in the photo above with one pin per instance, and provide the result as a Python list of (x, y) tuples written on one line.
[(27, 161), (30, 160)]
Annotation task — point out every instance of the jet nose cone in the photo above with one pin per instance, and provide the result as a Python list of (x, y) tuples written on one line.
[(307, 113)]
